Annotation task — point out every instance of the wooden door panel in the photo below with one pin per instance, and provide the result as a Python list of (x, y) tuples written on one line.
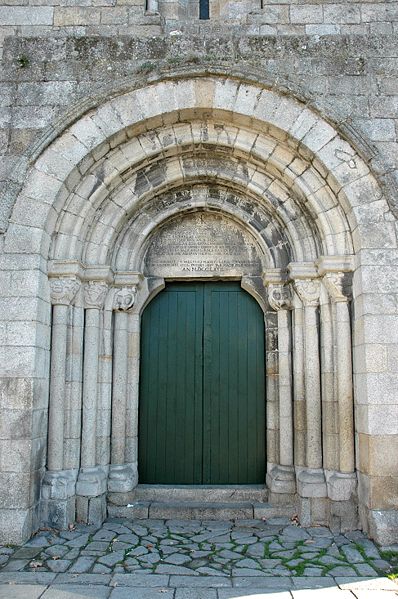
[(170, 423), (202, 388)]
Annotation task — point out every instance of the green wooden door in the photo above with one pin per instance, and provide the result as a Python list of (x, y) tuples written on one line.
[(202, 388)]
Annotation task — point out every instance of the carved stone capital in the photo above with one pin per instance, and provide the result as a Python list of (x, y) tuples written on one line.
[(124, 298), (338, 285), (308, 291), (63, 290), (280, 297), (95, 294)]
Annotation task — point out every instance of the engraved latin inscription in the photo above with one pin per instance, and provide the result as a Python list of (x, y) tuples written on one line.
[(202, 244)]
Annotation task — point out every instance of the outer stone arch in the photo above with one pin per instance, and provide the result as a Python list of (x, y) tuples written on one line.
[(64, 176)]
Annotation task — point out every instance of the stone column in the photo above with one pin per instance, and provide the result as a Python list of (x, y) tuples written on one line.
[(298, 383), (92, 478), (152, 7), (122, 475), (341, 484), (58, 484), (282, 477), (311, 480)]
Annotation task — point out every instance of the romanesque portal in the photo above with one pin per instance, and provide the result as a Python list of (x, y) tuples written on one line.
[(174, 186)]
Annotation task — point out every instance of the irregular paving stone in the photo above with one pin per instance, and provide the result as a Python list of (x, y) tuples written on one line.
[(177, 559), (81, 565), (370, 549), (170, 569), (270, 563), (7, 550), (312, 571), (352, 554), (151, 558), (101, 569), (247, 563), (230, 554), (98, 546), (80, 541), (246, 572), (111, 559), (365, 570), (284, 554), (38, 541), (328, 560), (3, 559), (59, 565), (104, 535), (72, 554), (210, 571), (56, 551), (319, 531), (14, 565), (342, 571), (381, 564), (26, 552), (256, 550), (295, 532), (138, 551)]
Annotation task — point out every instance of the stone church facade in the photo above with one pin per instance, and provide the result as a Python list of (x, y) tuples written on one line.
[(247, 146)]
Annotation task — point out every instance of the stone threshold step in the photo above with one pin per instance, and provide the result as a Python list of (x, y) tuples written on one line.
[(188, 510), (201, 493)]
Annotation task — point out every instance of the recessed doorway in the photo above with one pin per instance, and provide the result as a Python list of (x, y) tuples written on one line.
[(202, 387)]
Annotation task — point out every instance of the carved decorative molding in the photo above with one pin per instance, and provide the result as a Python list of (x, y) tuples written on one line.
[(95, 294), (308, 291), (124, 298), (63, 290), (280, 297), (338, 285)]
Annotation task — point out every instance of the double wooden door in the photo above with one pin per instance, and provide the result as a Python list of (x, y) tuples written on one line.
[(202, 387)]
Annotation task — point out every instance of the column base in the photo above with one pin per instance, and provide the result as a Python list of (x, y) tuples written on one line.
[(91, 510), (123, 478), (341, 486), (91, 482), (282, 479), (311, 482), (58, 505)]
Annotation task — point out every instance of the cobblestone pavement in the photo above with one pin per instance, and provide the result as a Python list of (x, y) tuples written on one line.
[(142, 559)]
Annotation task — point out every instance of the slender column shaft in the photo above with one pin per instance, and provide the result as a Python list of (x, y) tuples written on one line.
[(312, 388), (298, 381), (285, 390), (131, 452), (272, 415), (57, 388), (344, 387), (90, 380), (329, 420), (120, 364)]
